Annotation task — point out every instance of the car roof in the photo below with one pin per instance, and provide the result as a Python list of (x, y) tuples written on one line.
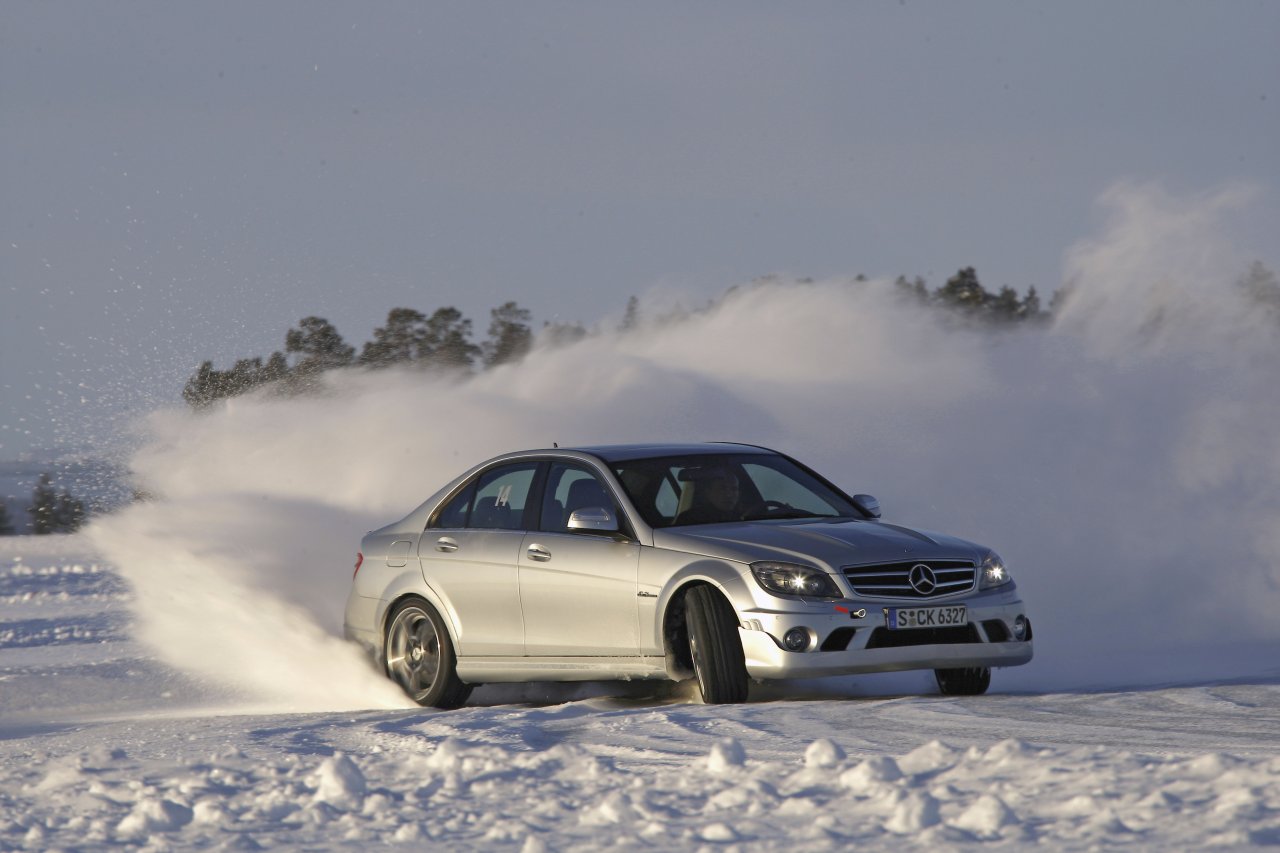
[(625, 452)]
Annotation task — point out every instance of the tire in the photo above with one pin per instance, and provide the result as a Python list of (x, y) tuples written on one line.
[(971, 681), (718, 662), (417, 654)]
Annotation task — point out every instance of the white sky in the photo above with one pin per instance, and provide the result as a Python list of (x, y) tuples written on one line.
[(185, 181)]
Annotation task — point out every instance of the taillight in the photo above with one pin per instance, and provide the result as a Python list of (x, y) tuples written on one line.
[(359, 562)]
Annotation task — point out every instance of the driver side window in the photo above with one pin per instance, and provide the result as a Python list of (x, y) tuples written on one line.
[(569, 488)]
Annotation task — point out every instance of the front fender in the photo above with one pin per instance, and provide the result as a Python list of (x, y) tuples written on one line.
[(663, 617)]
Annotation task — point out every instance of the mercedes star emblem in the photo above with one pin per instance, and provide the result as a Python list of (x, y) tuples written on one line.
[(923, 579)]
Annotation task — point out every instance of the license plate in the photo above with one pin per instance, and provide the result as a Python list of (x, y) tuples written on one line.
[(900, 618)]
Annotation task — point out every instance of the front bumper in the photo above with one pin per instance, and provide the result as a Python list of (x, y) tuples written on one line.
[(854, 645)]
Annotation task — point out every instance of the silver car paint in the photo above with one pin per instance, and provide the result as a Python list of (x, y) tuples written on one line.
[(593, 578), (480, 579), (563, 645)]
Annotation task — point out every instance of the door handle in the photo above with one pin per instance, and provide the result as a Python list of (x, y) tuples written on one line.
[(538, 554), (444, 543)]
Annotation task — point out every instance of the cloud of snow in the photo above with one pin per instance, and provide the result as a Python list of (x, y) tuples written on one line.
[(1123, 461)]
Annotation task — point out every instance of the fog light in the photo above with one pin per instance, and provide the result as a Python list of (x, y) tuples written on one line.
[(1020, 628), (796, 640)]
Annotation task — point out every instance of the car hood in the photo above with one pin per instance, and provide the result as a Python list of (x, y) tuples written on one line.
[(828, 544)]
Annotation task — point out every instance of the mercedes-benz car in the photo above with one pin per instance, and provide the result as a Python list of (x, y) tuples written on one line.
[(727, 563)]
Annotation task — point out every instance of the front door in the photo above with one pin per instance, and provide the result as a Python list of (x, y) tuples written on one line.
[(578, 589)]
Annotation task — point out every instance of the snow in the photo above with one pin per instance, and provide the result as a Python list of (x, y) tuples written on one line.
[(175, 677), (101, 744)]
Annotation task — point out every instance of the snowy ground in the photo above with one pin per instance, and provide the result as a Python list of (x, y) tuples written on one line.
[(101, 744)]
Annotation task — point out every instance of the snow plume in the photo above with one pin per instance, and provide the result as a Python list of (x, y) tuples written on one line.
[(1123, 461)]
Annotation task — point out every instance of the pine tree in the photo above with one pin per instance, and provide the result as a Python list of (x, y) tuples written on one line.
[(1005, 305), (962, 290), (199, 391), (448, 341), (916, 289), (6, 521), (1262, 288), (44, 507), (276, 368), (52, 512), (69, 515), (401, 340), (207, 386), (319, 346), (1030, 308), (509, 335), (630, 317), (244, 375)]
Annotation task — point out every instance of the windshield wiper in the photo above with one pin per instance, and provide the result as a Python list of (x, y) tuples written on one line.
[(784, 513)]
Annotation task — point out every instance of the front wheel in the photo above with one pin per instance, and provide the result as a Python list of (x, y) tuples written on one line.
[(970, 681), (715, 647), (418, 655)]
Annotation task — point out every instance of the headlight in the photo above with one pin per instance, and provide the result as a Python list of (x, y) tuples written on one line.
[(790, 579), (993, 572)]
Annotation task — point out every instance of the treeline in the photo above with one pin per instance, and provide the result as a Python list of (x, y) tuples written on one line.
[(50, 511), (442, 342), (966, 296)]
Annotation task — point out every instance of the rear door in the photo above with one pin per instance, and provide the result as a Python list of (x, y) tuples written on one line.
[(470, 556), (578, 589)]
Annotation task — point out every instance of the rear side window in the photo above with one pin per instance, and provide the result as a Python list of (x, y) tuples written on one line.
[(501, 496), (495, 500), (454, 514)]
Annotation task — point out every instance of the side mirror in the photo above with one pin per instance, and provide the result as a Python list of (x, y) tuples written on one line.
[(869, 505), (593, 518)]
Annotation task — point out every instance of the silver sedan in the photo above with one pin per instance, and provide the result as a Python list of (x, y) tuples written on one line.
[(726, 563)]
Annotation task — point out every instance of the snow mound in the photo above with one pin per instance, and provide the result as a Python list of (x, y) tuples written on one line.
[(726, 756), (340, 783), (823, 753), (986, 817)]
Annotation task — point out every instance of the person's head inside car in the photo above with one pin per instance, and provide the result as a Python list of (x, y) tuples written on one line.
[(722, 490), (712, 496)]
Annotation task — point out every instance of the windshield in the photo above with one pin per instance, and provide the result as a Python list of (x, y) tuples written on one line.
[(674, 491)]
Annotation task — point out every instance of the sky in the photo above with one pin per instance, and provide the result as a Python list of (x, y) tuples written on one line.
[(185, 182)]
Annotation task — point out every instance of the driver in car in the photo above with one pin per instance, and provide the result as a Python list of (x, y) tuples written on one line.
[(715, 498)]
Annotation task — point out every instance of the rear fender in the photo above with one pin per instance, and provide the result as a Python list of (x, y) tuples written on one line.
[(407, 583)]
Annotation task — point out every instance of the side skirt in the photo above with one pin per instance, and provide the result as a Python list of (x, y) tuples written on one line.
[(489, 670)]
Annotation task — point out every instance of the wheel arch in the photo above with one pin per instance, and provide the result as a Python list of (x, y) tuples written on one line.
[(402, 591), (674, 631)]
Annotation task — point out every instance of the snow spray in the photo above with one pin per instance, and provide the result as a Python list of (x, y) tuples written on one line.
[(1124, 460)]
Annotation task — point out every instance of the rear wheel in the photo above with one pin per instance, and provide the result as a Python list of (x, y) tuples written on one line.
[(970, 681), (418, 655), (715, 647)]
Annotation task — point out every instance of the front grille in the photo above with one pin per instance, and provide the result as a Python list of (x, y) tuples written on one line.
[(883, 638), (893, 580)]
